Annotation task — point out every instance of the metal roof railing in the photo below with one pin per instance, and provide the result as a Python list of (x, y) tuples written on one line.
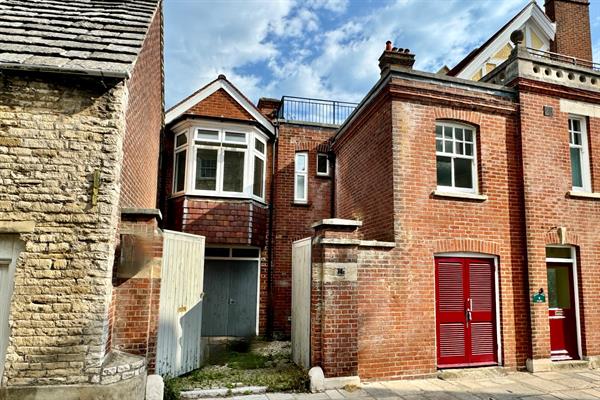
[(326, 112), (564, 58)]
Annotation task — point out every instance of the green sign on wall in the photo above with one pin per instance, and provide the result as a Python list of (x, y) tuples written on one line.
[(539, 298)]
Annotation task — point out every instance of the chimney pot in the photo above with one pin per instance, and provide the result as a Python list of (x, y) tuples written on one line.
[(398, 57), (388, 45)]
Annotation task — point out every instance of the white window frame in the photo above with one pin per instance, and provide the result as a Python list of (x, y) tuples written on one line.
[(304, 173), (263, 157), (326, 173), (584, 155), (221, 145), (176, 151), (453, 155)]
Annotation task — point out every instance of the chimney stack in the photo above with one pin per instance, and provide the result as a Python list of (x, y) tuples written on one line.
[(393, 56), (573, 36)]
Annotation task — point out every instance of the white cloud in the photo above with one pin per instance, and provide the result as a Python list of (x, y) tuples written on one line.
[(302, 57)]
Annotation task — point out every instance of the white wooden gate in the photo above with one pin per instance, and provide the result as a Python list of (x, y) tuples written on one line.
[(301, 288), (180, 317), (10, 248)]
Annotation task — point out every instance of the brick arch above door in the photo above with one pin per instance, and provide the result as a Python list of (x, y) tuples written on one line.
[(466, 246), (554, 237)]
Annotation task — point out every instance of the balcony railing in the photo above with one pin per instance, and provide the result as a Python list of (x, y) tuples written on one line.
[(564, 58), (326, 112)]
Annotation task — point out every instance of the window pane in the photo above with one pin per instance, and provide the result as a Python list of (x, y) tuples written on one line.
[(207, 135), (576, 167), (235, 137), (259, 146), (206, 169), (247, 253), (558, 252), (438, 131), (300, 162), (468, 149), (577, 125), (468, 135), (233, 171), (180, 140), (444, 177), (216, 252), (322, 164), (180, 171), (463, 176), (257, 186), (300, 192), (448, 146), (459, 133), (459, 148), (577, 138), (439, 145)]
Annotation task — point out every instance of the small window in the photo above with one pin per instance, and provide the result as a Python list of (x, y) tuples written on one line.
[(235, 137), (558, 252), (179, 176), (216, 252), (206, 169), (204, 134), (259, 146), (245, 253), (322, 164), (259, 174), (300, 178), (580, 162), (180, 140), (456, 157)]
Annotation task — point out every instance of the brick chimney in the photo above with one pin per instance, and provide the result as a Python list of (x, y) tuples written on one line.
[(573, 36), (393, 56)]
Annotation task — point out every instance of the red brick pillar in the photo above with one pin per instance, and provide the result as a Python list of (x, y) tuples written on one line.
[(334, 308)]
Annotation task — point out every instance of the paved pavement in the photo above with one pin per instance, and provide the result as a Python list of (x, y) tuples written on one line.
[(578, 384)]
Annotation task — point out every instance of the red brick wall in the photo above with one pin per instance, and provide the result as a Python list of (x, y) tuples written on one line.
[(220, 104), (144, 120), (547, 179), (396, 289), (292, 221), (136, 290), (364, 152), (573, 36)]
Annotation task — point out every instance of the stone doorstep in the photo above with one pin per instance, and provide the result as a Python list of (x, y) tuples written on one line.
[(546, 365), (472, 373), (221, 392)]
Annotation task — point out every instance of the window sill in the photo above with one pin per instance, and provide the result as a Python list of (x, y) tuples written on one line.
[(460, 195), (584, 195)]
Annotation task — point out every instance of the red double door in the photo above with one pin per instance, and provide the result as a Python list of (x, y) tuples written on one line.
[(465, 312)]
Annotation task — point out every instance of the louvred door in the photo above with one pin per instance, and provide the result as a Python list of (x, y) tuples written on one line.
[(465, 306)]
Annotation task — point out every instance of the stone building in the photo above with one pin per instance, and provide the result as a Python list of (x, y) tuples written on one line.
[(81, 113), (466, 205)]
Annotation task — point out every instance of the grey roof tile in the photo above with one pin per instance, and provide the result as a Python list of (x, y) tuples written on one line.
[(94, 35)]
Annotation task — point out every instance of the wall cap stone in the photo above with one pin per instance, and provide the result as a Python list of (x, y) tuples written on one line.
[(132, 211), (336, 222), (17, 226)]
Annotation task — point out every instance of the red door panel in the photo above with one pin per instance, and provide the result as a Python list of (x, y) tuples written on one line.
[(465, 312), (561, 312)]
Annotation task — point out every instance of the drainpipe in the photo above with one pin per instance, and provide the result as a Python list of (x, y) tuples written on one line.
[(331, 158), (270, 284)]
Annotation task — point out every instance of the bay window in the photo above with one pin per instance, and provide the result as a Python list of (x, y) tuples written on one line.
[(456, 160), (227, 162), (580, 160)]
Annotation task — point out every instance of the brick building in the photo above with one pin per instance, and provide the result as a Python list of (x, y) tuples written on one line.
[(81, 115), (466, 205)]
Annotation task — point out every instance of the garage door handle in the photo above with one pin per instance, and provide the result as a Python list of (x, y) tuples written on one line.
[(231, 301)]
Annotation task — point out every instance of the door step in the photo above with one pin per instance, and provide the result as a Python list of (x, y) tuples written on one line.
[(570, 364), (472, 373)]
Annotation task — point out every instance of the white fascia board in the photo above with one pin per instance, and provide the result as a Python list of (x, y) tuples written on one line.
[(176, 111), (532, 13)]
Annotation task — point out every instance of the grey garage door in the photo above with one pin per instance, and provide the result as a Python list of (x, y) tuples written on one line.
[(230, 298)]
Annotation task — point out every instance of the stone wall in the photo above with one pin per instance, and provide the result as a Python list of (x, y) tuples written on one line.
[(58, 136)]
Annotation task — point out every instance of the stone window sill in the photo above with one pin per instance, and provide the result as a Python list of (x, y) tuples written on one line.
[(460, 195), (301, 204), (584, 195)]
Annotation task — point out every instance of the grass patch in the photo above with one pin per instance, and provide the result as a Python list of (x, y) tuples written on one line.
[(256, 365)]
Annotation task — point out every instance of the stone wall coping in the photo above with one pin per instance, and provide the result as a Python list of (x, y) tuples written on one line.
[(132, 211), (17, 226), (355, 242), (336, 222)]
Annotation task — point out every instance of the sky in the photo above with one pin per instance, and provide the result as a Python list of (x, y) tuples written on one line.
[(325, 49)]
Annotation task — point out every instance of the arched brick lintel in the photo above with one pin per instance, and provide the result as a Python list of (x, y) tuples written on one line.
[(554, 237), (464, 116), (466, 246)]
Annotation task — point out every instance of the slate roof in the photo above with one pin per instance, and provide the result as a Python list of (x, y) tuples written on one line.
[(97, 37)]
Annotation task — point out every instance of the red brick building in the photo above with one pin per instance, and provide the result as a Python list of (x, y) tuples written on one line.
[(466, 205)]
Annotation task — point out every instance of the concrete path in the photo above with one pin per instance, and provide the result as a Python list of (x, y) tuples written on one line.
[(569, 385)]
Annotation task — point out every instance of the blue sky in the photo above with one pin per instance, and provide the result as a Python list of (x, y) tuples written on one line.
[(324, 49)]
